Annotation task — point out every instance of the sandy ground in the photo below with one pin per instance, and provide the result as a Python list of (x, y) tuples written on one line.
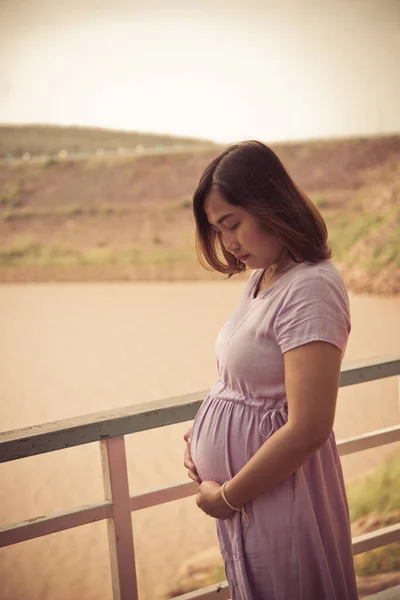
[(71, 349)]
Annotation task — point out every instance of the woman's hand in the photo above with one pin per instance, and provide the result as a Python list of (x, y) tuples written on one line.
[(210, 500), (188, 462)]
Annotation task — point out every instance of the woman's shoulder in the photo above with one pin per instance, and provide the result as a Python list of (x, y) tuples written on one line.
[(320, 274), (322, 278), (313, 305), (317, 281)]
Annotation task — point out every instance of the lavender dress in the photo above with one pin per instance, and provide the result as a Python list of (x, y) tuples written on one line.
[(296, 544)]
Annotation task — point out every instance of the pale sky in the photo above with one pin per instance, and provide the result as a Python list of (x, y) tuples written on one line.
[(217, 69)]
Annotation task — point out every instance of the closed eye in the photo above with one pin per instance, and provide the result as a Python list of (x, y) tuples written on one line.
[(217, 231)]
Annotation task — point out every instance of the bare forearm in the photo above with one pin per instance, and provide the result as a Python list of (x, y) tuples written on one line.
[(280, 456)]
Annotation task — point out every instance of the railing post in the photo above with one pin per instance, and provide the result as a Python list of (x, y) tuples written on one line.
[(119, 526)]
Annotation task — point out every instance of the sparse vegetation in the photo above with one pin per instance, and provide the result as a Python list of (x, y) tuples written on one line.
[(374, 502), (30, 253), (346, 229), (145, 202), (381, 560), (10, 196), (44, 140), (320, 201), (68, 211), (186, 203), (378, 492)]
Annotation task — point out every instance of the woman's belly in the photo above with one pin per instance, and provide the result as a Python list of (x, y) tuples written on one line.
[(224, 437)]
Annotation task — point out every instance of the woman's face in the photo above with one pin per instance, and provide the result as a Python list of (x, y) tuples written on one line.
[(241, 233)]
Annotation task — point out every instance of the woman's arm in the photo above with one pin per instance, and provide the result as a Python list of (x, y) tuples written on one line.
[(312, 373), (312, 376)]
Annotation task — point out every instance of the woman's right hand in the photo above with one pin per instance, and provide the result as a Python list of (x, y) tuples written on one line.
[(188, 462)]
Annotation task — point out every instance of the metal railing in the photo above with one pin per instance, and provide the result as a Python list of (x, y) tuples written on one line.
[(110, 427)]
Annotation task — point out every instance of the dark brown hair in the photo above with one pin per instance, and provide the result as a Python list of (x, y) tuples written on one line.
[(250, 175)]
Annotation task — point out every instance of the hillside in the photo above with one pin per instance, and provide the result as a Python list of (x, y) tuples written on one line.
[(130, 218), (16, 140)]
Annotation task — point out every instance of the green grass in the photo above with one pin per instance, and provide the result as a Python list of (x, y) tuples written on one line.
[(377, 492), (382, 231), (386, 249), (67, 211), (186, 203), (10, 195), (191, 583), (381, 560), (320, 201), (346, 229), (19, 253), (387, 252), (217, 575), (29, 253)]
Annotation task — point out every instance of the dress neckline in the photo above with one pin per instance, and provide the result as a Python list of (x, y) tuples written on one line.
[(257, 281)]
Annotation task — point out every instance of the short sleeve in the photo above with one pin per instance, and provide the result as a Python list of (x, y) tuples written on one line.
[(315, 308)]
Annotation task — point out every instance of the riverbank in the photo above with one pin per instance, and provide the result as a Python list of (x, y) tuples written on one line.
[(130, 219), (358, 279)]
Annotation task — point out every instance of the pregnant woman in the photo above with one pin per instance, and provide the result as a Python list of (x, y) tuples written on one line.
[(262, 447)]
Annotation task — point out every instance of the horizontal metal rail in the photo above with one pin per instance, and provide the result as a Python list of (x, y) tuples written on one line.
[(83, 515), (375, 539), (370, 369), (59, 521), (218, 591), (85, 429), (365, 441)]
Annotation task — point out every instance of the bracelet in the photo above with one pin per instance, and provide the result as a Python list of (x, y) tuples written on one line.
[(225, 498)]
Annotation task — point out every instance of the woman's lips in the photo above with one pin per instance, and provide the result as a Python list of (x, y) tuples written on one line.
[(244, 258)]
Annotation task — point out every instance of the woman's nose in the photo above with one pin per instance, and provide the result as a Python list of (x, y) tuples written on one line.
[(230, 244)]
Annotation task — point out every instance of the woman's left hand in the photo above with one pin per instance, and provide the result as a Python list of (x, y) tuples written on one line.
[(210, 500)]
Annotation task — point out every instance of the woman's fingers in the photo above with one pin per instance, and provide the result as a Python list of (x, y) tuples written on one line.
[(194, 476), (191, 467), (186, 437), (188, 462)]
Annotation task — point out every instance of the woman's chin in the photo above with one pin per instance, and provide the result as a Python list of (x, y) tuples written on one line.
[(251, 262)]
